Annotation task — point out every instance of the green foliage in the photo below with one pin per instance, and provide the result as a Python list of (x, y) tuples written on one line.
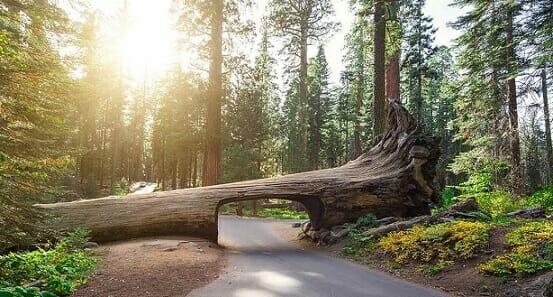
[(25, 292), (543, 198), (35, 115), (502, 221), (419, 46), (441, 242), (480, 106), (435, 269), (358, 246), (480, 185), (75, 240), (447, 195), (497, 203), (54, 272), (282, 213), (118, 190), (366, 220), (3, 157), (531, 251)]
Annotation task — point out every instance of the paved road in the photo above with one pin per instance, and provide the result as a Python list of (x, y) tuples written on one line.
[(148, 188), (263, 265)]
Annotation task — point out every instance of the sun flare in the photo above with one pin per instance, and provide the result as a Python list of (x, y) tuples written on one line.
[(148, 47)]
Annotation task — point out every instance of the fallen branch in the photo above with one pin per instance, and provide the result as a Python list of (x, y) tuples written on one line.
[(450, 214)]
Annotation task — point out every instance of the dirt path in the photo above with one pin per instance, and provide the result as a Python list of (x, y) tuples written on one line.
[(163, 266)]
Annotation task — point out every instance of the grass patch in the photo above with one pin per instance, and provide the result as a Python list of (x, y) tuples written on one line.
[(531, 251), (47, 273), (282, 213)]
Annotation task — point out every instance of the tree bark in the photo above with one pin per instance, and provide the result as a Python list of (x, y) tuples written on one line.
[(393, 179), (379, 103), (547, 125), (302, 102), (392, 78), (356, 149), (211, 172), (516, 173), (392, 67)]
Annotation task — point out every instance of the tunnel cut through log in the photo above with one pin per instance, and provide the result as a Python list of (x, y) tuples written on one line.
[(313, 206), (394, 178)]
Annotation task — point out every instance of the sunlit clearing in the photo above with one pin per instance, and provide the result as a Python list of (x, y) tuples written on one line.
[(277, 281)]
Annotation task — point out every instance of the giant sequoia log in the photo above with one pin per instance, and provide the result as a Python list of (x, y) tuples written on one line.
[(393, 179)]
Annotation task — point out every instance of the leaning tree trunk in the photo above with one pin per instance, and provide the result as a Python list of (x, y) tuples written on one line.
[(393, 179)]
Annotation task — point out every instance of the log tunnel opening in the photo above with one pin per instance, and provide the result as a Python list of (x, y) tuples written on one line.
[(313, 206)]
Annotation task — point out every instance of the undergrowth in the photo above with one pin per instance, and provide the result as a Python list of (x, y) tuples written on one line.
[(441, 243), (47, 273), (282, 213), (435, 246), (531, 251)]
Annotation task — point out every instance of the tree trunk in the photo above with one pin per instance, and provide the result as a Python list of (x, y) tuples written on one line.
[(315, 132), (392, 78), (419, 115), (379, 103), (393, 179), (547, 125), (392, 67), (211, 172), (356, 149), (118, 109), (516, 173), (300, 160)]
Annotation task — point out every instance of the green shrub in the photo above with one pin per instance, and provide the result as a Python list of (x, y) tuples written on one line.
[(448, 197), (359, 245), (25, 292), (435, 269), (502, 221), (497, 203), (530, 251), (542, 198), (75, 240), (118, 190), (366, 220), (53, 272)]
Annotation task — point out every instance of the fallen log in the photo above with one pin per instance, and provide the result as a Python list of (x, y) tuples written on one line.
[(528, 213), (394, 178), (447, 215)]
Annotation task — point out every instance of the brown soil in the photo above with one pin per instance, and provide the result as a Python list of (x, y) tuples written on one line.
[(164, 266), (462, 279)]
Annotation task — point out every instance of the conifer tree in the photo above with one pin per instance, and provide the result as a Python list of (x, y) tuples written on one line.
[(489, 64), (320, 109), (419, 38), (302, 22)]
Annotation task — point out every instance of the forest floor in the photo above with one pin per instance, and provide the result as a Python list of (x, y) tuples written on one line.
[(162, 266), (174, 266)]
